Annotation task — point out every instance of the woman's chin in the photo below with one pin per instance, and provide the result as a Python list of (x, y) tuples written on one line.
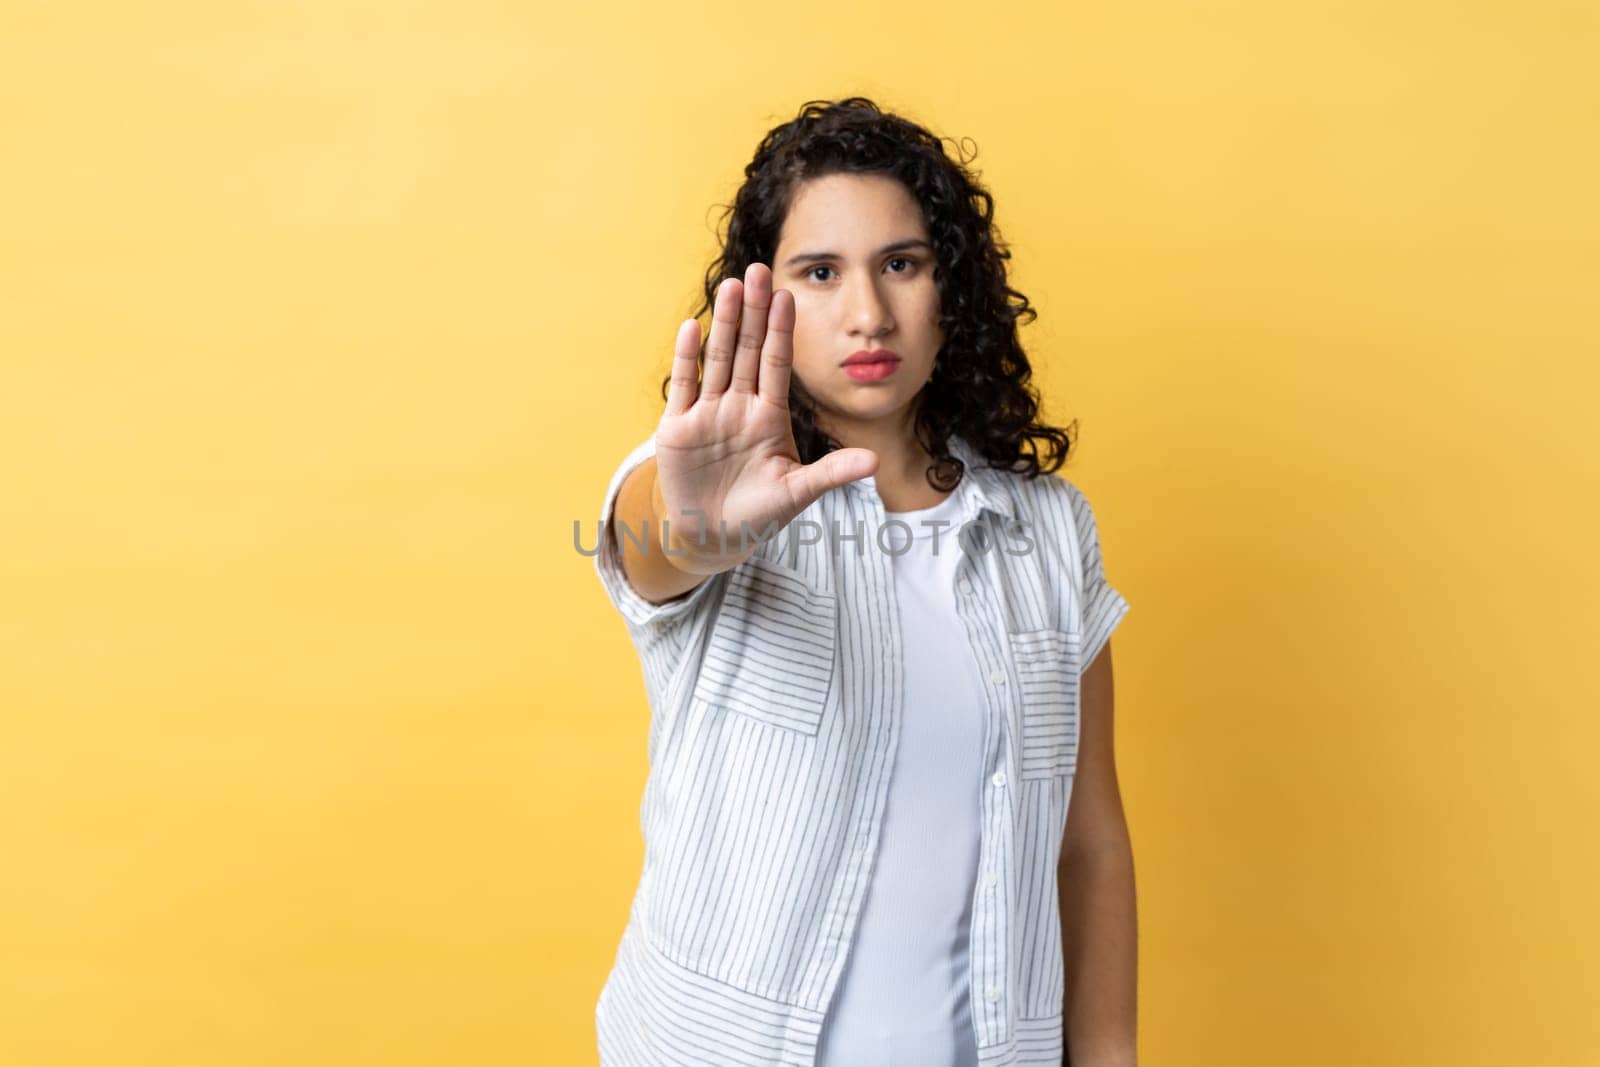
[(867, 410)]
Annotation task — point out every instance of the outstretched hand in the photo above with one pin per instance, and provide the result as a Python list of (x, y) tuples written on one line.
[(725, 445)]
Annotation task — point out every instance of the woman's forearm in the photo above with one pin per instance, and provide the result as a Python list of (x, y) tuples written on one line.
[(1099, 947)]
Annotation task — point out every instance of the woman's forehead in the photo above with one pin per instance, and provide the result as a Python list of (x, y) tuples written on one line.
[(851, 213)]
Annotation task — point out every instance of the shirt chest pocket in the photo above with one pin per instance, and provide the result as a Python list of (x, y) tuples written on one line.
[(1048, 664), (770, 654)]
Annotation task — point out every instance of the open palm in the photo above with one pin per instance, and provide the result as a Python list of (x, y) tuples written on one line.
[(725, 446)]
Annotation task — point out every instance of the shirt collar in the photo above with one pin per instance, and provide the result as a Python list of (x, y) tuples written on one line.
[(986, 484)]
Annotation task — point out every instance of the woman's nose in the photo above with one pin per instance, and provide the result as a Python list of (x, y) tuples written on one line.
[(868, 312)]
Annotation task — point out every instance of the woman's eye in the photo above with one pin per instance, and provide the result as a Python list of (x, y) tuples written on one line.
[(909, 265)]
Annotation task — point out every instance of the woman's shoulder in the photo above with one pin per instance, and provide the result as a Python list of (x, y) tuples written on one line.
[(1055, 513), (1046, 496)]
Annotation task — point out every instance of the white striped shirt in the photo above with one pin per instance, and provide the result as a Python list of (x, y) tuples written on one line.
[(776, 691)]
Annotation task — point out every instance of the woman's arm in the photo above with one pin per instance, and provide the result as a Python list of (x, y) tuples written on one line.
[(639, 508), (1099, 928)]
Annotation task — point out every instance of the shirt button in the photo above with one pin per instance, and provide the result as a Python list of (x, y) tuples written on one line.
[(964, 585), (999, 778), (988, 883), (993, 996), (998, 677)]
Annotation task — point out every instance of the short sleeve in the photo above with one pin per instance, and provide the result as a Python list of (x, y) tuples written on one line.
[(1102, 605), (639, 613)]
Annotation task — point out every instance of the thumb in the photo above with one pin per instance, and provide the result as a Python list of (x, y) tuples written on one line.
[(837, 468)]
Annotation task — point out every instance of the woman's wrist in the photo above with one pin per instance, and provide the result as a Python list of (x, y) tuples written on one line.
[(685, 544), (678, 550)]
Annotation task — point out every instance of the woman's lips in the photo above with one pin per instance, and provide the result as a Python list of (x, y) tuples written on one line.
[(875, 371)]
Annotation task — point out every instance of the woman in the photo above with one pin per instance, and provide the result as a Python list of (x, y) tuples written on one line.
[(870, 623)]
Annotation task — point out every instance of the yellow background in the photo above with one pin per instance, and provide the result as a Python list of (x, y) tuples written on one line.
[(322, 322)]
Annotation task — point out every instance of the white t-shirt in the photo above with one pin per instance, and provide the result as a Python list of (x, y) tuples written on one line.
[(903, 999)]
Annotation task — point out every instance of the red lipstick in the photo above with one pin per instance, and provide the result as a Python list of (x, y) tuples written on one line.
[(871, 365)]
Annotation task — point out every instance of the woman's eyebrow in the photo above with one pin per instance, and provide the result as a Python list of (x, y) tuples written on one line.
[(898, 246)]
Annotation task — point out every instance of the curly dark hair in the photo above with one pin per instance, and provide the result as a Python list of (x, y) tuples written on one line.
[(980, 387)]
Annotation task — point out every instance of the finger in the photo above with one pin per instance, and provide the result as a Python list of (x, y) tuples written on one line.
[(837, 468), (685, 368), (777, 353), (752, 328), (719, 346)]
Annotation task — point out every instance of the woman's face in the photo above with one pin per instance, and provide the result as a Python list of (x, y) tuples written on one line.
[(854, 252)]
